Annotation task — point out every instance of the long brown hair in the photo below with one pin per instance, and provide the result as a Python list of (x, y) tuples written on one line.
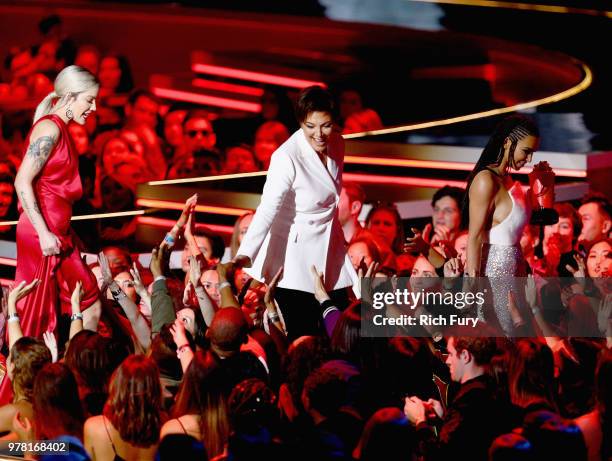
[(134, 401), (57, 408), (531, 373), (234, 242), (202, 393)]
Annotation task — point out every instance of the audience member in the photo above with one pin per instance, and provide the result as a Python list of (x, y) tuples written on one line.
[(352, 198)]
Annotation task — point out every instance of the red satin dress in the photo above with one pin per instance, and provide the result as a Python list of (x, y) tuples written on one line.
[(56, 188)]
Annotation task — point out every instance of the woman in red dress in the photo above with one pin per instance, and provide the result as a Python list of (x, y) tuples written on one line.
[(47, 185)]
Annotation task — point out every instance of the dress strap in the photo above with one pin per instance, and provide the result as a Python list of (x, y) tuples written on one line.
[(109, 436), (181, 424)]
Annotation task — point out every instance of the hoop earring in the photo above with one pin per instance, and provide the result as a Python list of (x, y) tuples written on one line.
[(69, 114)]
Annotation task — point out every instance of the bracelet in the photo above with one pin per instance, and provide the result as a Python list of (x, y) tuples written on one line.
[(117, 293), (222, 285), (169, 239), (181, 349), (12, 318), (273, 318), (77, 316)]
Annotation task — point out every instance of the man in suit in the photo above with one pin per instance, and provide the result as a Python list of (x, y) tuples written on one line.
[(296, 225), (474, 418)]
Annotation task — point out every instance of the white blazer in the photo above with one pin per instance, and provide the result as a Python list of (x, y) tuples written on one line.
[(296, 224)]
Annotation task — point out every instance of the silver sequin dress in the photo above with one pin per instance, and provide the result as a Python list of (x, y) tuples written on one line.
[(502, 258)]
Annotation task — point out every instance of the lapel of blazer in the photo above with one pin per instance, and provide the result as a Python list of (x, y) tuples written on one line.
[(327, 176)]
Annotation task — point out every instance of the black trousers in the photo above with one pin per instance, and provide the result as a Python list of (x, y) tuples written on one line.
[(303, 313)]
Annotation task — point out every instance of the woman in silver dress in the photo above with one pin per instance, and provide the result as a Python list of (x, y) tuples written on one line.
[(499, 209)]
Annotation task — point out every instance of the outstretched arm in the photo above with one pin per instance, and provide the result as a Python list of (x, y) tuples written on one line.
[(281, 175)]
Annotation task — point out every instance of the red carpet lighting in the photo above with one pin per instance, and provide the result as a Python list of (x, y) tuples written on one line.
[(168, 223), (228, 87), (169, 205), (206, 100), (252, 76)]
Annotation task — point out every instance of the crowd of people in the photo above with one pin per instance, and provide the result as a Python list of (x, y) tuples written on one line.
[(200, 360), (244, 353), (134, 136)]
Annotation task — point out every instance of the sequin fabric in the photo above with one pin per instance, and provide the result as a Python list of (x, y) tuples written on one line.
[(503, 265)]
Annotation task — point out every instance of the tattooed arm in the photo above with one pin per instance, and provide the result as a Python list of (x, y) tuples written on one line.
[(42, 141)]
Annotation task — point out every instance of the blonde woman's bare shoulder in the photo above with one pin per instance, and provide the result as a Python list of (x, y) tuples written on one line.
[(45, 128)]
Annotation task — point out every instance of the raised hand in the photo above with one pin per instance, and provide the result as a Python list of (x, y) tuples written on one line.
[(441, 234), (178, 333), (453, 268), (603, 314), (138, 285), (531, 291), (51, 343), (189, 208), (418, 243), (20, 291), (77, 296), (580, 273), (107, 275), (159, 260), (223, 269), (320, 293), (195, 271), (269, 296)]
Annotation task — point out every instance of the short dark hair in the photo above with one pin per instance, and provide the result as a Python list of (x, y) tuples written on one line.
[(314, 99), (481, 348), (354, 192), (326, 391), (456, 193), (142, 93), (48, 22), (566, 210), (602, 202), (197, 113), (217, 243)]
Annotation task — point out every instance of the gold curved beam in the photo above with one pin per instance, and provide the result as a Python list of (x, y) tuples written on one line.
[(580, 87), (85, 217), (522, 6)]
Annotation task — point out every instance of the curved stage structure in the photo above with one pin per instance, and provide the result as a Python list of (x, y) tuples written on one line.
[(413, 79), (408, 76)]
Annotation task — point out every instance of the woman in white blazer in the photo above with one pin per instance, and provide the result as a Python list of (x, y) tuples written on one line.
[(296, 224)]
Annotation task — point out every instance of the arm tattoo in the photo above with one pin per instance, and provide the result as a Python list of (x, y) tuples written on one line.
[(32, 209), (40, 150)]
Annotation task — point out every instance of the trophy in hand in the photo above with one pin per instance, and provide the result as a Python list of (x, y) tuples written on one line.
[(542, 192)]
